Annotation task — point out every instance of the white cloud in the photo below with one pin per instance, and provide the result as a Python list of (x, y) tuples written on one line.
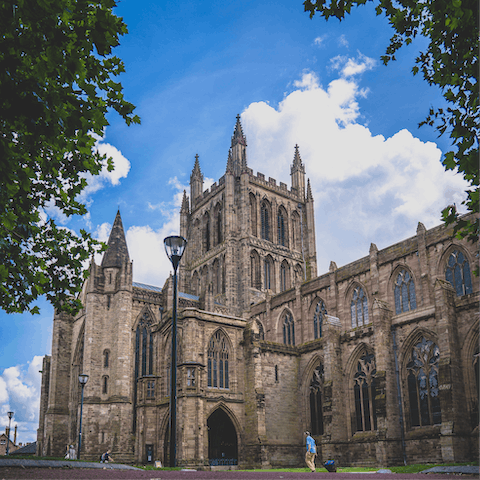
[(319, 40), (349, 67), (20, 387), (366, 188), (342, 40)]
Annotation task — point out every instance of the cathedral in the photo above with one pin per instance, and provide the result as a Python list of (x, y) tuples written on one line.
[(378, 359)]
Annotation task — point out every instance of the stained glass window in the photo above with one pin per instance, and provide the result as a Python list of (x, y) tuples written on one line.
[(265, 222), (318, 316)]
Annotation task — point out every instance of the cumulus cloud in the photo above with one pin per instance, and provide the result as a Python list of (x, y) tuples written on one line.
[(20, 387), (367, 188)]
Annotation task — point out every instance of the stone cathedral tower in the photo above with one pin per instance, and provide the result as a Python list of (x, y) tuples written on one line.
[(379, 358), (248, 237)]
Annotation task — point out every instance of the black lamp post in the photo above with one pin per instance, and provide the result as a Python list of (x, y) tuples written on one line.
[(83, 379), (10, 415), (174, 246)]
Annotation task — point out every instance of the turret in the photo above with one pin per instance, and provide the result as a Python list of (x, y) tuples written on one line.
[(297, 172), (196, 182)]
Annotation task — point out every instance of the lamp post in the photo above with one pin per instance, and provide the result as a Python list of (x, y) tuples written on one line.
[(174, 246), (10, 415), (83, 379)]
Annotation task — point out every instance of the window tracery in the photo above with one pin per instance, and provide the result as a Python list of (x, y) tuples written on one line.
[(288, 329), (265, 218), (404, 291), (318, 316), (359, 308), (364, 393), (316, 408), (457, 273), (422, 381), (217, 364)]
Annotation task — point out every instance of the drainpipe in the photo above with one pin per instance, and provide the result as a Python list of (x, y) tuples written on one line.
[(400, 409)]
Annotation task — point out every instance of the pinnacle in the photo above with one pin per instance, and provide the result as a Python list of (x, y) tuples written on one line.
[(297, 161), (238, 136), (309, 190), (117, 252), (196, 172)]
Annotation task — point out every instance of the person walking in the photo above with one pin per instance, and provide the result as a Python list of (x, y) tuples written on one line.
[(311, 452)]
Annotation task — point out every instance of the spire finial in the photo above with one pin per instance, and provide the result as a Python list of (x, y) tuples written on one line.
[(238, 136), (297, 160), (196, 172)]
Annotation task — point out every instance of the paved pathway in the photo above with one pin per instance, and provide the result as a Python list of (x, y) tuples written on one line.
[(48, 469)]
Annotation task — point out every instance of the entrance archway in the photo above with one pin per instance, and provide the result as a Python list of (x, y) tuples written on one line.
[(222, 439)]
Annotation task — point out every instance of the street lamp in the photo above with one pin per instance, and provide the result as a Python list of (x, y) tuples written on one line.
[(174, 246), (10, 415), (83, 379)]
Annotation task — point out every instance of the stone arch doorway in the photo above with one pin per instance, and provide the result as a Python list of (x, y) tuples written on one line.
[(222, 439)]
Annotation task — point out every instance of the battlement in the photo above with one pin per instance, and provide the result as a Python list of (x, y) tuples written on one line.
[(271, 184)]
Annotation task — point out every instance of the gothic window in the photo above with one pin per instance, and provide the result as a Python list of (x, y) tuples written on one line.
[(105, 385), (318, 316), (217, 364), (255, 270), (458, 273), (268, 273), (288, 329), (404, 291), (253, 214), (106, 355), (265, 214), (282, 232), (219, 226), (284, 276), (359, 308), (316, 409), (217, 283), (422, 381), (364, 393), (207, 233)]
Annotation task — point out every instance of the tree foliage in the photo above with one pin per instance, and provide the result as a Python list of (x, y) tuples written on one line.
[(451, 63), (56, 86)]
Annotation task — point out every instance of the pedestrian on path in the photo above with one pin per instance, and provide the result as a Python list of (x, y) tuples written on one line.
[(311, 452)]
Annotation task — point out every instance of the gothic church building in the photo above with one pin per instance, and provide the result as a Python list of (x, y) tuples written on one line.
[(379, 359)]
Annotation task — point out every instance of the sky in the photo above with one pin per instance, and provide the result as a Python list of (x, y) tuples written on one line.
[(191, 67)]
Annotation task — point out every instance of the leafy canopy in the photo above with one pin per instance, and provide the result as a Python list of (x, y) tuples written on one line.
[(451, 63), (56, 86)]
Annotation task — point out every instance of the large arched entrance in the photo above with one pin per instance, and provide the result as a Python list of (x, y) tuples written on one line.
[(222, 439)]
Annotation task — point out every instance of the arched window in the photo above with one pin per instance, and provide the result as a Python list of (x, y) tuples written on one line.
[(364, 393), (106, 359), (359, 308), (316, 409), (218, 224), (404, 291), (284, 276), (207, 232), (458, 273), (105, 385), (268, 273), (217, 369), (253, 214), (265, 221), (288, 329), (255, 270), (282, 231), (318, 316), (422, 380)]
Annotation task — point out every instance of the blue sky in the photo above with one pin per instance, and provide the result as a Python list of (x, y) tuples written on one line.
[(191, 67)]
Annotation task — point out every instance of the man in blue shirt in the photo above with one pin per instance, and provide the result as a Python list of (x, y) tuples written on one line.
[(311, 452)]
